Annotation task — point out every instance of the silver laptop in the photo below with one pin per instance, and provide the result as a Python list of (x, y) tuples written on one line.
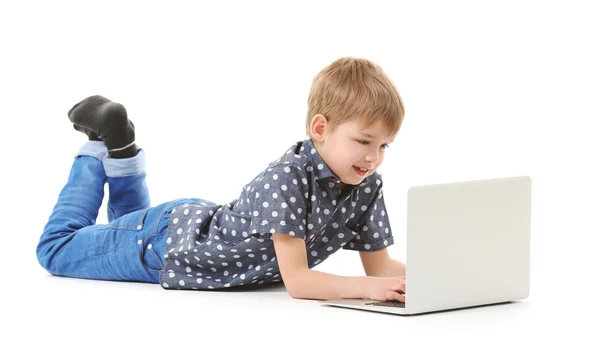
[(467, 245)]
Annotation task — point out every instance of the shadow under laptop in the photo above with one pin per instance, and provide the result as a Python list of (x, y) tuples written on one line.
[(509, 304)]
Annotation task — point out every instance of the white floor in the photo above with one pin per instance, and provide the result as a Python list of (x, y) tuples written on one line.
[(73, 318)]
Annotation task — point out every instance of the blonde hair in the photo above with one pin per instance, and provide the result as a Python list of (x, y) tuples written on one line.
[(355, 89)]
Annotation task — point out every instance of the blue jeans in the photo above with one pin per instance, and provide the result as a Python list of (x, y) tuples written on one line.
[(131, 246)]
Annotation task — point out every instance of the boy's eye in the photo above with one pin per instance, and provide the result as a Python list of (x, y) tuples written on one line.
[(365, 142)]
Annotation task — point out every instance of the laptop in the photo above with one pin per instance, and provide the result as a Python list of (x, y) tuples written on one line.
[(468, 245)]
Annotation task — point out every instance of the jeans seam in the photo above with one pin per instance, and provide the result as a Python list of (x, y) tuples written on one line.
[(112, 212), (154, 254)]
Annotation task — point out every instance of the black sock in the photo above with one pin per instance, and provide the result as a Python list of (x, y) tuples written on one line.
[(92, 136), (100, 118)]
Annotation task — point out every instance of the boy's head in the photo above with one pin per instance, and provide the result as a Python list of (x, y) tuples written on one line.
[(354, 112)]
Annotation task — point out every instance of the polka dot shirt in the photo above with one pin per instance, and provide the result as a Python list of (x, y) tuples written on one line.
[(211, 246)]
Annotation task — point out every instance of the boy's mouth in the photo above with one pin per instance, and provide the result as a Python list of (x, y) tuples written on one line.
[(360, 170)]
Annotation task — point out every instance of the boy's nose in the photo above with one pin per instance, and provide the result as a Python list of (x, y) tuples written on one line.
[(372, 158)]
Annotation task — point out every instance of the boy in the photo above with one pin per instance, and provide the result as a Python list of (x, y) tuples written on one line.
[(321, 195)]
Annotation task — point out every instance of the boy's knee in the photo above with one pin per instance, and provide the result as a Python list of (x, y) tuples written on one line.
[(43, 257), (45, 252)]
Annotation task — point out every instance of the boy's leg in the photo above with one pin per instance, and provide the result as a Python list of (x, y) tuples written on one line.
[(80, 199), (127, 188), (77, 206), (71, 245), (128, 248)]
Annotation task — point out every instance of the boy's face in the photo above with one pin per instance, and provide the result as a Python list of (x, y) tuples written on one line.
[(349, 149)]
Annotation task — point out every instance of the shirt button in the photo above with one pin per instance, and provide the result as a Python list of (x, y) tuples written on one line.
[(149, 246), (139, 227), (139, 241)]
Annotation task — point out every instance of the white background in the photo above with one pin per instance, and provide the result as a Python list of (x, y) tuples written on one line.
[(491, 89)]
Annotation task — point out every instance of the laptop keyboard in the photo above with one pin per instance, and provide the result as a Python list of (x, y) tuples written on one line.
[(388, 303)]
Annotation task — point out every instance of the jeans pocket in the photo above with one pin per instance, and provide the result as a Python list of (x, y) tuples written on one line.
[(155, 240), (152, 259)]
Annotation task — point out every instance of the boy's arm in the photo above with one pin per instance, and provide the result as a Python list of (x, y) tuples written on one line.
[(379, 264), (302, 282)]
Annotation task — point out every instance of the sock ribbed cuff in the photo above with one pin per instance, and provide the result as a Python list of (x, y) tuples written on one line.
[(94, 149)]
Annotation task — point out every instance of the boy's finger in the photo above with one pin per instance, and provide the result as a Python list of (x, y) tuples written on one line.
[(400, 297), (399, 288), (395, 296)]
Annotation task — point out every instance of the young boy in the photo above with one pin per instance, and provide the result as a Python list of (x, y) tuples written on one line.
[(321, 195)]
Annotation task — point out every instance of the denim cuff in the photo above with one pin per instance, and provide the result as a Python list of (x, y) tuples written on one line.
[(124, 167), (95, 149)]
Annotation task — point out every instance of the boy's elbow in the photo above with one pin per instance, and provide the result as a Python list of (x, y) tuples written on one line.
[(293, 292), (295, 284), (297, 293)]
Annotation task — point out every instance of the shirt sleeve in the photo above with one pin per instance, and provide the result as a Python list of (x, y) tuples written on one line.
[(278, 202), (374, 230)]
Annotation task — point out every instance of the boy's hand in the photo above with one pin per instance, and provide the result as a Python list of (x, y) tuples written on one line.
[(385, 288)]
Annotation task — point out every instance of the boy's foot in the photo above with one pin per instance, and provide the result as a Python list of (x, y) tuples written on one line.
[(92, 136), (100, 118)]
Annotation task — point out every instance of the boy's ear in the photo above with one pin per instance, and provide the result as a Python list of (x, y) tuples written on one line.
[(317, 127)]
